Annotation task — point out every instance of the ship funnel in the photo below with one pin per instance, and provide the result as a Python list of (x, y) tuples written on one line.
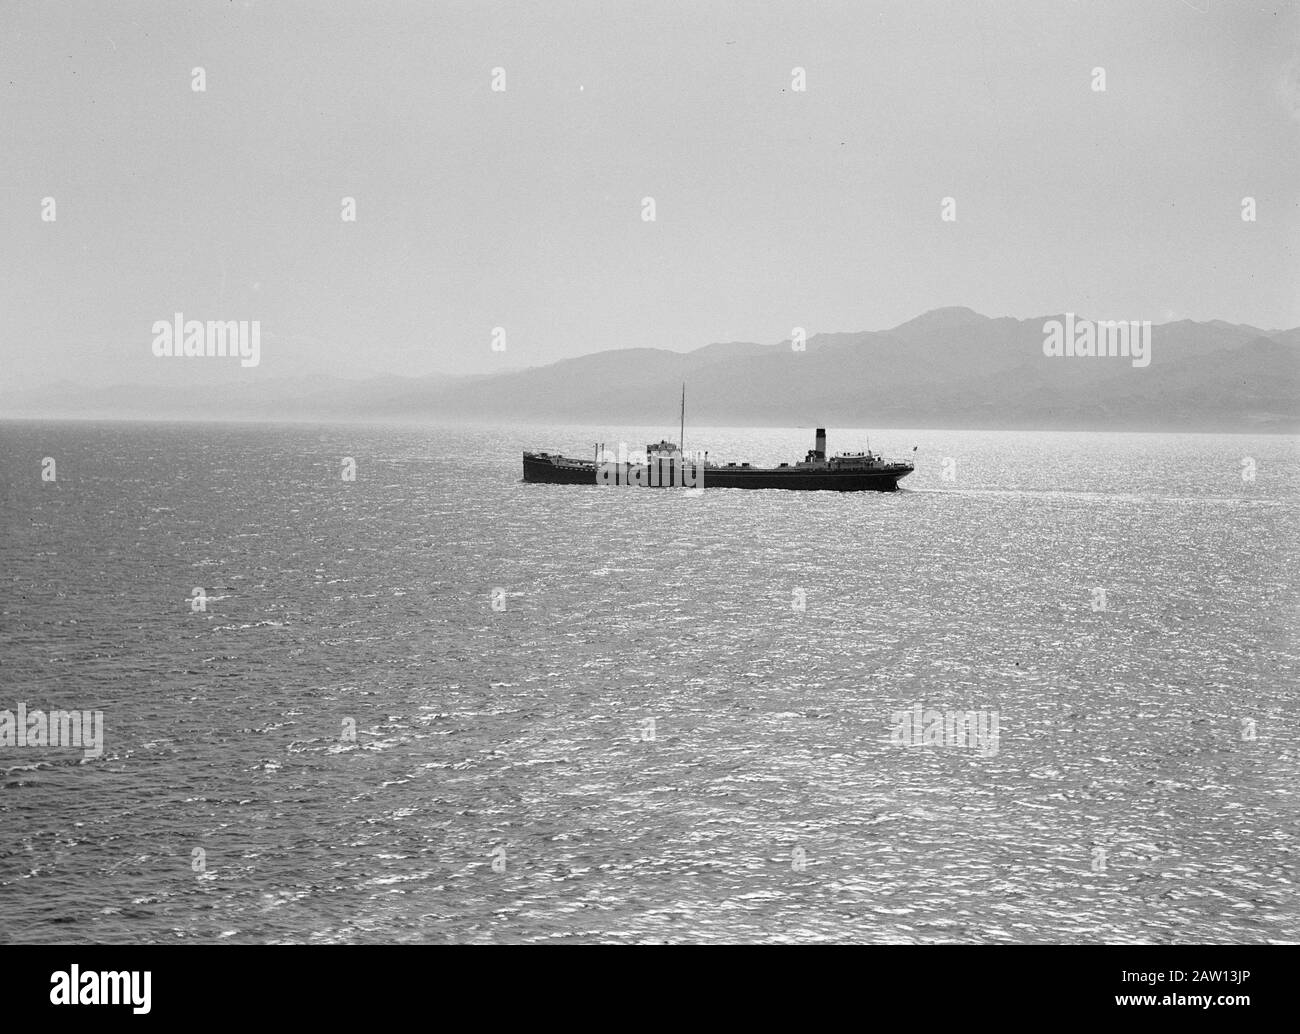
[(821, 442)]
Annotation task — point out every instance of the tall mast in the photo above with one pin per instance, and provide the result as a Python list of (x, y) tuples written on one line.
[(681, 437)]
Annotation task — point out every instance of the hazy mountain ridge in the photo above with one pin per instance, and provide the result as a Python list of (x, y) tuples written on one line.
[(950, 367)]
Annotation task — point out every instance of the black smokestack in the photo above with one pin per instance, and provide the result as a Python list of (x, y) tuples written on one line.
[(821, 442)]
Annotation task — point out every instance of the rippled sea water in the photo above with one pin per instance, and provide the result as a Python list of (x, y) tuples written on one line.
[(1125, 802)]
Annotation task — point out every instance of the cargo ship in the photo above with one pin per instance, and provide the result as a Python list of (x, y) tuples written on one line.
[(665, 465)]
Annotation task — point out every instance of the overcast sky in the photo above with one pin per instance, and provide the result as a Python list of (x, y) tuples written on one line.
[(523, 208)]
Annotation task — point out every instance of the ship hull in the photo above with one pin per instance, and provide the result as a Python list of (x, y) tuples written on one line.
[(807, 481), (548, 473), (543, 471)]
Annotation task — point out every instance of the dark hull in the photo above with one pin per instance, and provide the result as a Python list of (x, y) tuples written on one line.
[(808, 480), (544, 472), (548, 473)]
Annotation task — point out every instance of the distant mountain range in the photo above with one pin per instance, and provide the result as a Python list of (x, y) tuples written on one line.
[(951, 367)]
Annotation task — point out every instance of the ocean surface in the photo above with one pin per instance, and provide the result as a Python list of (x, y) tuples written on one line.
[(591, 714)]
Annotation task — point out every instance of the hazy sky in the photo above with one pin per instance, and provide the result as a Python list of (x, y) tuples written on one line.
[(522, 209)]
